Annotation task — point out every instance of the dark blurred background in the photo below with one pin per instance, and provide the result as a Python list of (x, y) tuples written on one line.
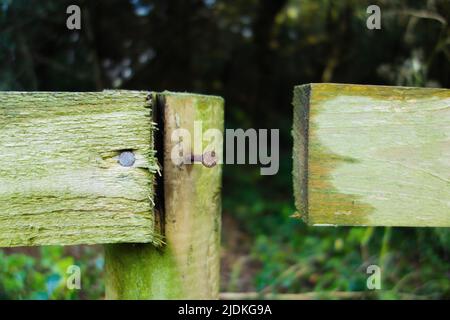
[(252, 53)]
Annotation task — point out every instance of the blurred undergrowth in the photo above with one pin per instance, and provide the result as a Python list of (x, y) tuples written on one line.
[(292, 257), (42, 274)]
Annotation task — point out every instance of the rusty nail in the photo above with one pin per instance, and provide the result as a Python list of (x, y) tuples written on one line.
[(208, 159)]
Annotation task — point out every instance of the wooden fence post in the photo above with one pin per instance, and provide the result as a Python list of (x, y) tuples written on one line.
[(187, 266)]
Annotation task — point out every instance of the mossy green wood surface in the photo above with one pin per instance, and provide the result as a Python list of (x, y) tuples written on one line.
[(60, 180), (372, 155), (187, 267)]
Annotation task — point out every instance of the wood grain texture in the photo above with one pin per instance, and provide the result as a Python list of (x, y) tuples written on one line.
[(60, 181), (372, 155), (187, 267)]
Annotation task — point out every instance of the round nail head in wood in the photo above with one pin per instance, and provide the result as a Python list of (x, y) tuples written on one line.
[(127, 159)]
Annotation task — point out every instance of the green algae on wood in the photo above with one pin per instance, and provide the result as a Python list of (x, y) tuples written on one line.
[(187, 266), (372, 155), (60, 180)]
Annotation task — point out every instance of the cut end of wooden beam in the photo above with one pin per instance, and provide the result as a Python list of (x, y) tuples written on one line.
[(63, 181), (372, 155)]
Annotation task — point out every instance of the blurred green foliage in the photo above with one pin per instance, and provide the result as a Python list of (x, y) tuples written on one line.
[(251, 52), (44, 274)]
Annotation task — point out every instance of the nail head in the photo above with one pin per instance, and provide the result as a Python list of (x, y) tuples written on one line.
[(127, 159)]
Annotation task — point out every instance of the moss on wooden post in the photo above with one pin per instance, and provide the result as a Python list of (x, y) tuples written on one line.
[(187, 267)]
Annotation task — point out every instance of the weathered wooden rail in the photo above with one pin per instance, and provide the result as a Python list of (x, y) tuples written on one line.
[(372, 155), (60, 178)]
